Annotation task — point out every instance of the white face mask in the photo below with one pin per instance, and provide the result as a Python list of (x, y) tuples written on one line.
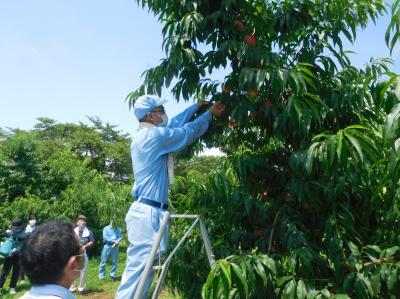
[(164, 121), (84, 264), (32, 223), (81, 225)]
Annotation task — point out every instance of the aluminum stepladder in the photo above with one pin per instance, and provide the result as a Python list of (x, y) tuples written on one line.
[(156, 244)]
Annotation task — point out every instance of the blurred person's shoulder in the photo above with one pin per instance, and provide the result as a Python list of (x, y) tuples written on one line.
[(29, 296)]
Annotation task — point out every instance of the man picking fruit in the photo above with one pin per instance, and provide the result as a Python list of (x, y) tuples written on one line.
[(152, 162)]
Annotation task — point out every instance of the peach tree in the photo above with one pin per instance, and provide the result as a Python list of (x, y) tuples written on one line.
[(308, 203)]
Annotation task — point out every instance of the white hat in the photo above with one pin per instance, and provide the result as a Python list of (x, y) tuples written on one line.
[(146, 103)]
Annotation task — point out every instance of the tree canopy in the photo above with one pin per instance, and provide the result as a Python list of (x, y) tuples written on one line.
[(308, 204), (58, 171)]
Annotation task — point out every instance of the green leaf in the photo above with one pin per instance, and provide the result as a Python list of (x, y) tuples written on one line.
[(325, 293), (355, 144), (301, 291), (348, 282), (372, 251), (259, 268), (347, 34), (353, 248), (270, 263), (392, 280), (376, 284), (225, 279), (394, 41), (339, 144), (363, 284), (389, 252), (294, 77), (393, 78), (310, 156), (240, 281), (289, 291), (392, 123)]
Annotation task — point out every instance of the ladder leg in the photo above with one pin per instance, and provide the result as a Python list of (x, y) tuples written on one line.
[(151, 257), (156, 244), (207, 244), (169, 258), (160, 282)]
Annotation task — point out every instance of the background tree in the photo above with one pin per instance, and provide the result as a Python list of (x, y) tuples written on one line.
[(58, 171), (106, 148), (20, 166)]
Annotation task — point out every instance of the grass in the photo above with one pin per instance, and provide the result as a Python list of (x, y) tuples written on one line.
[(96, 289)]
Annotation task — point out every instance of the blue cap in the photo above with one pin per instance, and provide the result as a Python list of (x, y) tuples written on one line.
[(146, 103)]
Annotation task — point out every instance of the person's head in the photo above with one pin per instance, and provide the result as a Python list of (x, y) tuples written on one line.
[(32, 220), (17, 225), (157, 117), (150, 109), (81, 222), (52, 254)]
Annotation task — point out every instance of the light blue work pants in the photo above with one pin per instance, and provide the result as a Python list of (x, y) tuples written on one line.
[(108, 251), (143, 223)]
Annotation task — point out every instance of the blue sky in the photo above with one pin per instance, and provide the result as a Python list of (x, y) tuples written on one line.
[(69, 59)]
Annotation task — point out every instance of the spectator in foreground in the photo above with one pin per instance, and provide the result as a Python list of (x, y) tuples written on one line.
[(52, 258)]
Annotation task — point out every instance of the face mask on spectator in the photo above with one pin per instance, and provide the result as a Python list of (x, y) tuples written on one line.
[(32, 223), (81, 224)]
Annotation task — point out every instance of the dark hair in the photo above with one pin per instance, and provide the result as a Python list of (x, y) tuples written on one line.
[(143, 119), (46, 251), (17, 223), (32, 217)]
